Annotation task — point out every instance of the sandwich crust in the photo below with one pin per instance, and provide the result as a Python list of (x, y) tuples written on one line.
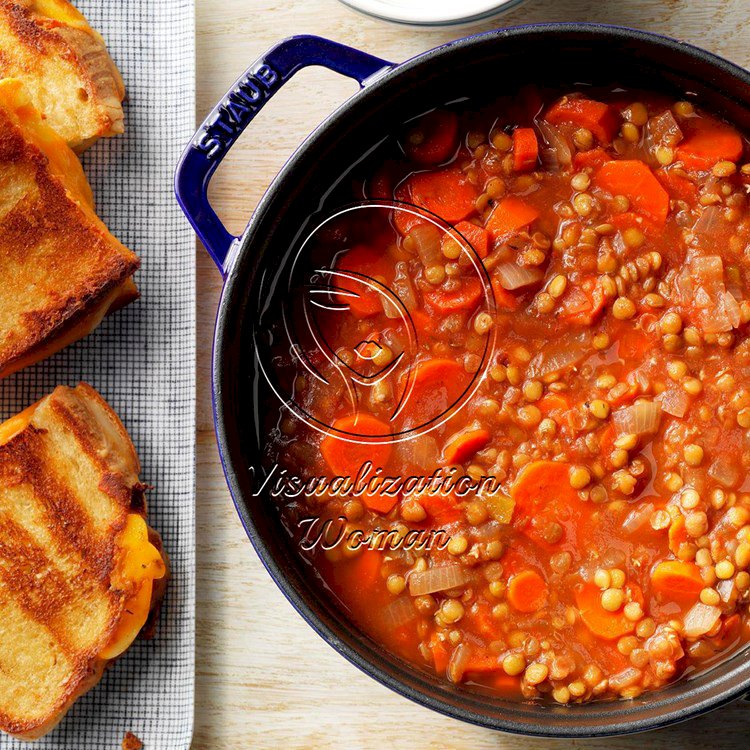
[(60, 267), (69, 492), (65, 65)]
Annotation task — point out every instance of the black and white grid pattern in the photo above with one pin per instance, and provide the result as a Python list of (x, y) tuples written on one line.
[(141, 359)]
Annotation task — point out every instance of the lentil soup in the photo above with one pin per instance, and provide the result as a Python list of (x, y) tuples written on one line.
[(610, 553)]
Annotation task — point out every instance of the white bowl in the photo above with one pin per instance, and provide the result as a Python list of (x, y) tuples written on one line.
[(432, 12)]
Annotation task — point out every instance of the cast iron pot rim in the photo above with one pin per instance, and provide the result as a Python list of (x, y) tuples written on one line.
[(737, 684)]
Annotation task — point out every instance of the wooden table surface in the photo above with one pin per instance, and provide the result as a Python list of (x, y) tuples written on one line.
[(264, 679)]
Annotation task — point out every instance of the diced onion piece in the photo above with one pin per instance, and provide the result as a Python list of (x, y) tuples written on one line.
[(637, 518), (705, 227), (559, 356), (487, 531), (721, 314), (421, 451), (512, 276), (559, 153), (403, 289), (400, 612), (426, 239), (674, 401), (700, 619), (664, 130), (500, 507), (684, 286), (708, 270), (725, 589), (702, 298), (724, 471), (641, 418), (458, 662), (439, 578), (549, 159), (731, 309), (694, 477), (391, 311), (629, 676)]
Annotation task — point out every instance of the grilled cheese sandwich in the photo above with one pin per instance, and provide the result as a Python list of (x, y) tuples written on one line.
[(80, 570), (65, 65), (62, 270)]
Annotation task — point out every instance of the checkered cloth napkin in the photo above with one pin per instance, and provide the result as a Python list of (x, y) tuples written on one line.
[(142, 359)]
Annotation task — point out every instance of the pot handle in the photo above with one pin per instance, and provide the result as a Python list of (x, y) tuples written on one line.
[(236, 111)]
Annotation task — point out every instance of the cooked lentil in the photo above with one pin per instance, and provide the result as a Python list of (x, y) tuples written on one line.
[(611, 412)]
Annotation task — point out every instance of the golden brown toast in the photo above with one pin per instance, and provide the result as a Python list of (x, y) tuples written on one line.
[(79, 567), (61, 270), (65, 66)]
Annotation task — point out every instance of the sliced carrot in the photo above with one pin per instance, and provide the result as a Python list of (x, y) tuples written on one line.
[(527, 591), (346, 458), (633, 344), (603, 624), (442, 509), (476, 236), (593, 158), (678, 187), (369, 262), (525, 149), (509, 216), (677, 580), (707, 143), (677, 534), (379, 502), (405, 219), (440, 655), (597, 117), (634, 180), (423, 323), (447, 193), (583, 302), (552, 403), (540, 483), (438, 384), (462, 447), (503, 298), (465, 297), (433, 138), (481, 663)]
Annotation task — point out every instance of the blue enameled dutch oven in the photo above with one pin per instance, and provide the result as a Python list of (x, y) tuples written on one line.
[(549, 54)]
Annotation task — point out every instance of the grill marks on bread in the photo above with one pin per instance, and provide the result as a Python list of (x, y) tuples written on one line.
[(60, 265), (68, 481), (65, 65)]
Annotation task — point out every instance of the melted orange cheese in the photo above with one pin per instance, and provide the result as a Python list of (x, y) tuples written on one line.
[(62, 11), (11, 427), (63, 162), (140, 565)]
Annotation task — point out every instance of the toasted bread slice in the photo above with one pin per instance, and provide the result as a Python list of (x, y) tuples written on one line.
[(65, 66), (80, 570), (61, 270)]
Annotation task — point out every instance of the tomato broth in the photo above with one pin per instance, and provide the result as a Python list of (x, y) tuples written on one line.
[(564, 313)]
